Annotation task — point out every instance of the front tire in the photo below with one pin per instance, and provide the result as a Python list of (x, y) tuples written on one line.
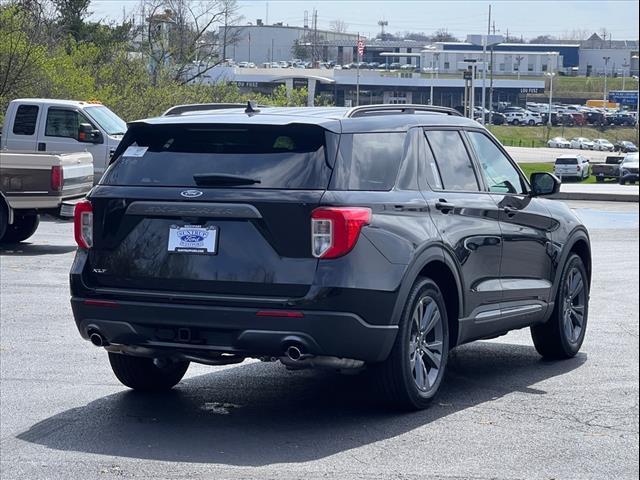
[(140, 373), (562, 335), (413, 372), (23, 227)]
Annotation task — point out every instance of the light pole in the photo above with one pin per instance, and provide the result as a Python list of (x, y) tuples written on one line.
[(434, 68), (604, 91), (625, 65), (550, 75), (519, 59)]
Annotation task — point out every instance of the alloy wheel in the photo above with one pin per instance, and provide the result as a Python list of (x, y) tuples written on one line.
[(426, 343), (573, 310)]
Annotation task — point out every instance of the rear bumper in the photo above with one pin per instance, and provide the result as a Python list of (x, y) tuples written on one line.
[(207, 329)]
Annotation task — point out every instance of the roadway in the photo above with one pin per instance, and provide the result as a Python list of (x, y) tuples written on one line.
[(502, 413)]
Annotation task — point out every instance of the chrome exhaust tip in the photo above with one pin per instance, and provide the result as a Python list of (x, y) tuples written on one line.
[(97, 339), (293, 353)]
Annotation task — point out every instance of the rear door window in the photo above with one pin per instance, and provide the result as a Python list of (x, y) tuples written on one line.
[(453, 161), (368, 161), (25, 121), (282, 157)]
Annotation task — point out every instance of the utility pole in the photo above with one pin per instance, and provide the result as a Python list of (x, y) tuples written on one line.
[(484, 69)]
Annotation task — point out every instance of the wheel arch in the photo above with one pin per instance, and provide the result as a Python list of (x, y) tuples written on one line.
[(578, 243), (438, 265)]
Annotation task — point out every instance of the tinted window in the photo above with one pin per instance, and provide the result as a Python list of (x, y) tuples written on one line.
[(285, 157), (62, 122), (368, 161), (499, 174), (452, 159), (567, 161), (26, 118)]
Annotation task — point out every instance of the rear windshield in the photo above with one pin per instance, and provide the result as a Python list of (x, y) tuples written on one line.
[(567, 161), (283, 157)]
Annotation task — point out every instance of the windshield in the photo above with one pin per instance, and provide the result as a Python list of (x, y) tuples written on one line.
[(630, 159), (107, 120)]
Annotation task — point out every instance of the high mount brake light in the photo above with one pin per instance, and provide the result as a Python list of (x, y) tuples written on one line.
[(83, 224), (335, 230)]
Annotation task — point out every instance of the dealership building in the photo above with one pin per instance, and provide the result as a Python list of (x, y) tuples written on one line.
[(340, 86)]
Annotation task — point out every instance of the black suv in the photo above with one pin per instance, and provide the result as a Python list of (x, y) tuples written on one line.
[(377, 237)]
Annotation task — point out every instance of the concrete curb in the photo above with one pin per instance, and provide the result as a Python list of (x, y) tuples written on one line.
[(597, 196)]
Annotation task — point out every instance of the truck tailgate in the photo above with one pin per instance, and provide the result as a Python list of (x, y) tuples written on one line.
[(77, 170)]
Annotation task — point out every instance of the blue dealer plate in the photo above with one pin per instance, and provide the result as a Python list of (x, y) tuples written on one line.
[(193, 239)]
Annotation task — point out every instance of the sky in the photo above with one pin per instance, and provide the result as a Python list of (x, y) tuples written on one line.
[(524, 18)]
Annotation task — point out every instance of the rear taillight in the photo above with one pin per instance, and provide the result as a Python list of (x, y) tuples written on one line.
[(83, 224), (57, 178), (335, 230)]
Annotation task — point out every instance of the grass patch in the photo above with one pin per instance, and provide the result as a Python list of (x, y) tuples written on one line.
[(529, 168), (521, 136)]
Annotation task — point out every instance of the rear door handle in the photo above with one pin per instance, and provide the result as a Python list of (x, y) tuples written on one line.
[(444, 206), (412, 206)]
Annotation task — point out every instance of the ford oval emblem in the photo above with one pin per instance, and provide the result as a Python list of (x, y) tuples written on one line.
[(191, 193)]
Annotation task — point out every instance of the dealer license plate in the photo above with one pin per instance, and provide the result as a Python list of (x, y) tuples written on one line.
[(193, 239)]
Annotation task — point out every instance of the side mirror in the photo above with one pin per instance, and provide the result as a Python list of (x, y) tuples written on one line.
[(87, 134), (543, 183)]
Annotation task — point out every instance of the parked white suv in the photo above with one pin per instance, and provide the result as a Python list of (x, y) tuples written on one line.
[(523, 118), (572, 166)]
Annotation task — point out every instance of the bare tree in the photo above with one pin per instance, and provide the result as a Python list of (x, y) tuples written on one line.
[(179, 36), (577, 34), (338, 26), (22, 27)]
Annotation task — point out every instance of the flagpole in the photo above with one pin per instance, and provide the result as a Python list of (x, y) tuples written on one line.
[(358, 71)]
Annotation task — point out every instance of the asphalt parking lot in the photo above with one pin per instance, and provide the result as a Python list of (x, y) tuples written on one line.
[(502, 413)]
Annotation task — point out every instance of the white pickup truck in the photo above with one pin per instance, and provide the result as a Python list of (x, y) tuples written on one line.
[(60, 126), (35, 183)]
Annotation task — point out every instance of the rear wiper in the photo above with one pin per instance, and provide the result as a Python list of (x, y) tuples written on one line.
[(209, 179)]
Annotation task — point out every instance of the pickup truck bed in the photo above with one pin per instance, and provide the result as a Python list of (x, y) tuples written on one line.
[(34, 183), (609, 169)]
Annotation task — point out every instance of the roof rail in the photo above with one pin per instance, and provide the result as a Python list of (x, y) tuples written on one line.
[(388, 109), (201, 107)]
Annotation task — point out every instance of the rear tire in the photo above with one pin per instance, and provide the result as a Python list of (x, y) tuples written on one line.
[(23, 227), (599, 179), (562, 335), (622, 181), (413, 372), (140, 373)]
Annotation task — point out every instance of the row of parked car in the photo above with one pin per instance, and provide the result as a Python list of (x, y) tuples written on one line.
[(578, 115), (599, 144), (618, 167)]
